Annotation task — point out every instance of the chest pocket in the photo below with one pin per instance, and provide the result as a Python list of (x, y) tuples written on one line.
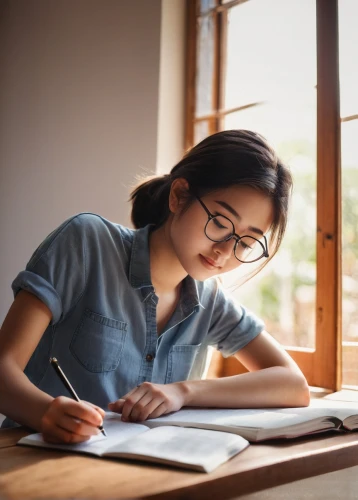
[(181, 359), (98, 342)]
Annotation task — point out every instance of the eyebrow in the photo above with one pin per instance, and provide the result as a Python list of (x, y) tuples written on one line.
[(233, 212)]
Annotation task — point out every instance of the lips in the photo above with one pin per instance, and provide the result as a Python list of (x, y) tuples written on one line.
[(209, 263)]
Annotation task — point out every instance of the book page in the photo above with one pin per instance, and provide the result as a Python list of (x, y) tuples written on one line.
[(347, 411), (175, 445), (257, 418), (254, 424), (227, 419), (116, 430), (203, 416), (321, 408)]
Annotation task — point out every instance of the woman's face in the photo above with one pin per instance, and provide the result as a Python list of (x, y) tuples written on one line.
[(250, 211)]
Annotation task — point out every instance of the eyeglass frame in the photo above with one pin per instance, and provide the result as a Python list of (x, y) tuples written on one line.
[(234, 235)]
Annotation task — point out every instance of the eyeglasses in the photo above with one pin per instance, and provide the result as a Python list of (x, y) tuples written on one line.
[(220, 229)]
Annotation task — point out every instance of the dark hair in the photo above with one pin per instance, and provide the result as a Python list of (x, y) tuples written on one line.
[(224, 159)]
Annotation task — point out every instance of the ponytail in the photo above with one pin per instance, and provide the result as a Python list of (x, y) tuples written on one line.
[(150, 201)]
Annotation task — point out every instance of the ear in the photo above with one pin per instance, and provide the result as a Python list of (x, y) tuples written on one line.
[(178, 194)]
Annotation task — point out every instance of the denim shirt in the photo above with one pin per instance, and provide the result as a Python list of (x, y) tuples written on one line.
[(94, 276)]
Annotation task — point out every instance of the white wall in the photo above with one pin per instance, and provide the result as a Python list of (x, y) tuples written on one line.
[(171, 85), (79, 118)]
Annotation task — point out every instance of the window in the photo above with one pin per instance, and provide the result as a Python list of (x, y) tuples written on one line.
[(348, 57), (272, 66)]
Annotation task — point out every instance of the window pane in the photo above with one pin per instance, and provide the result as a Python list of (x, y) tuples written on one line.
[(348, 76), (206, 5), (201, 130), (349, 134), (284, 292), (205, 66), (348, 56), (271, 51)]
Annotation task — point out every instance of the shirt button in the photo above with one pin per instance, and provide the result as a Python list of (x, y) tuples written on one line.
[(149, 357)]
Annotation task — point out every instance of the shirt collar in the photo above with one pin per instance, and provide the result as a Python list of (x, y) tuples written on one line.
[(139, 267), (190, 296)]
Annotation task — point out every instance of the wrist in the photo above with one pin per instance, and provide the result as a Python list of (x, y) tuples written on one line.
[(43, 407), (186, 392)]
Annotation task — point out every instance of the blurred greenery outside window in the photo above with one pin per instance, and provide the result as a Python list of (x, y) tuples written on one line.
[(348, 63)]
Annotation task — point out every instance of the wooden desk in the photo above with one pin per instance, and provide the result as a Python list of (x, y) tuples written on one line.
[(34, 473)]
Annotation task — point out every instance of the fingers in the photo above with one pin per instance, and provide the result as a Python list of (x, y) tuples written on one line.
[(140, 403), (117, 405), (97, 408), (159, 411), (57, 434), (142, 409), (83, 411), (76, 426), (69, 421)]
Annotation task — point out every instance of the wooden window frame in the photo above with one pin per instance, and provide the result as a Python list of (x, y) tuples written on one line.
[(322, 365)]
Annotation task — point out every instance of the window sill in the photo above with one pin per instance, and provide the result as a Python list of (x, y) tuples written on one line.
[(319, 392), (349, 395)]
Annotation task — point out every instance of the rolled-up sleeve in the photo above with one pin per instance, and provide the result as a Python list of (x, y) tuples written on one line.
[(56, 272), (232, 326)]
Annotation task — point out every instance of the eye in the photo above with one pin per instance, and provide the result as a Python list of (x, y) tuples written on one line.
[(218, 223), (245, 246)]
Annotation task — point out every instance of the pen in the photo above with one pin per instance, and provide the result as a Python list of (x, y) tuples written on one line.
[(68, 386)]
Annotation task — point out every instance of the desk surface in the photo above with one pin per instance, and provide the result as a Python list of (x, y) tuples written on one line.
[(34, 473)]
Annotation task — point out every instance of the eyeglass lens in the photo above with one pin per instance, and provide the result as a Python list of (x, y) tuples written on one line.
[(247, 249)]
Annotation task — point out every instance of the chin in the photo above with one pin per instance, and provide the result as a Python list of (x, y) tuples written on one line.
[(198, 271), (202, 274)]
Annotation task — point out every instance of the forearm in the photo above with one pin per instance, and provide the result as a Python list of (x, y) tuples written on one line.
[(20, 400), (271, 387)]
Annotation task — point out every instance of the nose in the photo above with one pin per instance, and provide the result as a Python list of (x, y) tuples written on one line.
[(225, 248)]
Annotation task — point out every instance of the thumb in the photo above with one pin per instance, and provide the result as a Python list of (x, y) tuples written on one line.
[(116, 405)]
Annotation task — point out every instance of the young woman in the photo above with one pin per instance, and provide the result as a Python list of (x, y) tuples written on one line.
[(130, 314)]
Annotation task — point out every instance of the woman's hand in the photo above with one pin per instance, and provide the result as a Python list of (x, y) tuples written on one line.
[(69, 421), (150, 401)]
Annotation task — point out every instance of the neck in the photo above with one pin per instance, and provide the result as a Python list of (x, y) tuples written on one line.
[(166, 271)]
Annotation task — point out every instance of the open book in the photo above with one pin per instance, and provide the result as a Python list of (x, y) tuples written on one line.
[(271, 423), (202, 439), (197, 449)]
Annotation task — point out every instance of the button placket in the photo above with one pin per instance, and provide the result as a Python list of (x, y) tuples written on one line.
[(147, 365)]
